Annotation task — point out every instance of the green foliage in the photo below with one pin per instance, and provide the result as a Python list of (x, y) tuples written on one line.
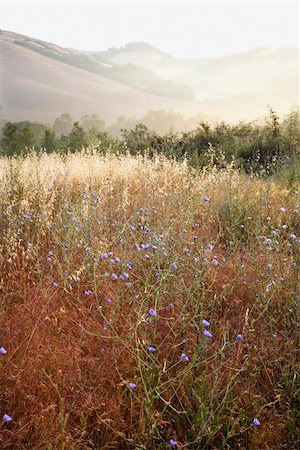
[(49, 141), (16, 137), (271, 147)]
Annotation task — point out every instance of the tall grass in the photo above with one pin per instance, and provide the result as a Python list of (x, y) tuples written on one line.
[(145, 305)]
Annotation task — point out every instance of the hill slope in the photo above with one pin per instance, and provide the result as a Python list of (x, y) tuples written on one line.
[(38, 87), (41, 80)]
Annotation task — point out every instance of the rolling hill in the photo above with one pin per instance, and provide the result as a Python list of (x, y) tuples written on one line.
[(40, 80)]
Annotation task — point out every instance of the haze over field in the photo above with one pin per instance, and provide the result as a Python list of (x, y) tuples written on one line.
[(235, 75)]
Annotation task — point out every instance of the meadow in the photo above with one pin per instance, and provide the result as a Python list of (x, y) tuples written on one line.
[(147, 305)]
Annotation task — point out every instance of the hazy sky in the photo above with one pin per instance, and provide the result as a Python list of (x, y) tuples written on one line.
[(185, 29)]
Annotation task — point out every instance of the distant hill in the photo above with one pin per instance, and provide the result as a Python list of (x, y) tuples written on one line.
[(215, 78), (40, 80)]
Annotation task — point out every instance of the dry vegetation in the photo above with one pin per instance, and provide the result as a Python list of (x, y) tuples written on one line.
[(104, 260)]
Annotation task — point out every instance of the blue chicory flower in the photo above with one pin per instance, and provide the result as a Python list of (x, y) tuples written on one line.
[(6, 418), (207, 334)]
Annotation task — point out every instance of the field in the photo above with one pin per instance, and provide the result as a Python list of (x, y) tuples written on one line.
[(145, 305)]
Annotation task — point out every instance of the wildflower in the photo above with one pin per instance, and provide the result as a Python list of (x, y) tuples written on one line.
[(215, 261), (151, 349), (171, 306), (256, 422), (108, 300), (132, 385), (3, 351), (207, 334), (55, 284), (114, 276), (239, 337), (172, 443), (205, 323), (184, 357), (49, 259), (88, 292), (6, 418), (206, 198), (174, 266), (152, 312)]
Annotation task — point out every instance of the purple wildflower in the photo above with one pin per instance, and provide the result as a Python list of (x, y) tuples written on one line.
[(172, 443), (88, 292), (205, 323), (174, 266), (114, 276), (207, 334), (206, 198), (132, 385), (256, 422), (152, 312), (151, 349), (3, 351), (184, 357), (6, 418), (239, 337), (55, 284)]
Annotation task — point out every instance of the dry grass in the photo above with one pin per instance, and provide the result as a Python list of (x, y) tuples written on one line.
[(75, 337)]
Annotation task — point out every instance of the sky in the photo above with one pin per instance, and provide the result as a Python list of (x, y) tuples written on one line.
[(183, 29)]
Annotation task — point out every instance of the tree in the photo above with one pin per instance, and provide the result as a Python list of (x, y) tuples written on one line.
[(77, 137), (63, 124), (49, 141), (16, 137), (92, 123)]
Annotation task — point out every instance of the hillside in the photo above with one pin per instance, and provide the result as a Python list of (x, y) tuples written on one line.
[(41, 80), (37, 87), (214, 78)]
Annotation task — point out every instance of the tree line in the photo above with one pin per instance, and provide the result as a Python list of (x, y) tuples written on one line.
[(253, 146)]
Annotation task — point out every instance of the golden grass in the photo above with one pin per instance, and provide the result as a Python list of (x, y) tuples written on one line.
[(72, 352)]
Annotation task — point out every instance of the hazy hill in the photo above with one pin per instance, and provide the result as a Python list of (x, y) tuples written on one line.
[(213, 78), (40, 87), (41, 80)]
